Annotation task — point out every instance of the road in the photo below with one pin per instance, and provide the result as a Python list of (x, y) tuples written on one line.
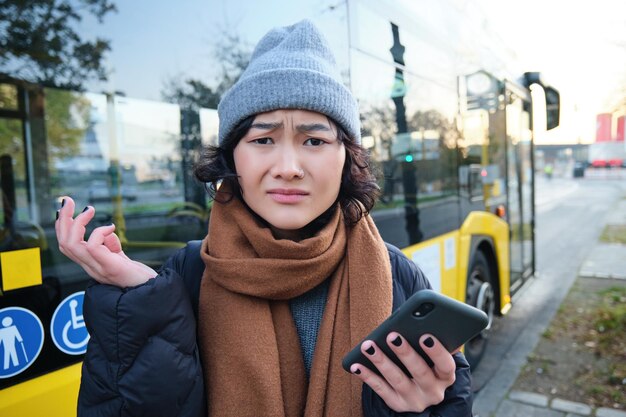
[(570, 216)]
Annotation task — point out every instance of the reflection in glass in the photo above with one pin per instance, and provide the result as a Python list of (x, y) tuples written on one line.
[(8, 97), (411, 142)]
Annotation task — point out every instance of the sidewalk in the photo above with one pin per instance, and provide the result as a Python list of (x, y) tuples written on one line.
[(499, 400)]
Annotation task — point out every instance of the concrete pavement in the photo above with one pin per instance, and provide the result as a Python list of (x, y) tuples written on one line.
[(497, 399)]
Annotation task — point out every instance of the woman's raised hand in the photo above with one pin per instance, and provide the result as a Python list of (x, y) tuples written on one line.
[(101, 256), (401, 393)]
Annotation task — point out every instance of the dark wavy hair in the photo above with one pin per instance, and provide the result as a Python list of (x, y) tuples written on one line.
[(357, 194)]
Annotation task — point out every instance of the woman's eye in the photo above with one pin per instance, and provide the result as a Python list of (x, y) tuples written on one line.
[(263, 141), (314, 142)]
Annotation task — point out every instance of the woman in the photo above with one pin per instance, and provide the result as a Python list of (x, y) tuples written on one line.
[(292, 274)]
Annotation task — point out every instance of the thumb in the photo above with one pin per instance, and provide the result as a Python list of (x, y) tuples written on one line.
[(96, 243), (112, 242)]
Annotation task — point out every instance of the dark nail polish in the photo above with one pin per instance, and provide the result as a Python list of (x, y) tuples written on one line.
[(85, 209), (62, 202), (429, 342), (358, 371), (397, 341), (370, 350), (57, 214)]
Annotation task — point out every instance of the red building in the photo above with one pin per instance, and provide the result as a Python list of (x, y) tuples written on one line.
[(604, 126), (619, 136), (608, 150)]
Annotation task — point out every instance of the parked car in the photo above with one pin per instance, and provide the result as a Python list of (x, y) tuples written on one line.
[(579, 169), (599, 163)]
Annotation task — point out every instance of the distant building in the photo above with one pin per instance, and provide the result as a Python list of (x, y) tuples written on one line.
[(604, 124), (609, 149), (620, 134), (88, 160)]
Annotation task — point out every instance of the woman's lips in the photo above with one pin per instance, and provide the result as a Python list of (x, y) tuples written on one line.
[(287, 196)]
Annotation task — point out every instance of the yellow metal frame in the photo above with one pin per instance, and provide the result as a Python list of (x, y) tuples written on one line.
[(457, 244), (487, 224), (53, 395), (442, 269)]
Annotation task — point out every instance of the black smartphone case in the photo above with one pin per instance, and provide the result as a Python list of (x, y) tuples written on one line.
[(452, 322)]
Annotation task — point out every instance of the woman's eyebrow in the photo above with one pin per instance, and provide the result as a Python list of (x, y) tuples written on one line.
[(266, 125), (313, 127)]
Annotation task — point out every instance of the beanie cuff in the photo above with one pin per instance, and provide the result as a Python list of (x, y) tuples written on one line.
[(289, 88)]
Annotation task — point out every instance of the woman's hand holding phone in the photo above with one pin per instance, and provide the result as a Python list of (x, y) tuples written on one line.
[(407, 360), (101, 256), (402, 393)]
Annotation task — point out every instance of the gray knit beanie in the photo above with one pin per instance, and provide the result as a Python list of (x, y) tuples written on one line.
[(291, 67)]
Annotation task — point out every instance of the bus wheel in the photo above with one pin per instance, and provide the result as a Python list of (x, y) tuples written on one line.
[(480, 294)]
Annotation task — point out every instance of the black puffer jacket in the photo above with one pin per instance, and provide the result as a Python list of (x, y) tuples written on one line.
[(143, 358)]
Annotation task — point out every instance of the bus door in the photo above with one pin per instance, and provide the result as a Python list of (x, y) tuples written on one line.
[(520, 186), (41, 325), (21, 129)]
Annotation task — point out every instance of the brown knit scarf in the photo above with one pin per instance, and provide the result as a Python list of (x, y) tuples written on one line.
[(250, 348)]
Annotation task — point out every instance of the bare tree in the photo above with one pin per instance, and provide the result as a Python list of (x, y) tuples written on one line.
[(232, 55)]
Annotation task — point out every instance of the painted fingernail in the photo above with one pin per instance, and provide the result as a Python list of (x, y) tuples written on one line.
[(370, 350), (357, 371), (85, 209), (429, 342), (62, 202), (397, 341), (57, 214)]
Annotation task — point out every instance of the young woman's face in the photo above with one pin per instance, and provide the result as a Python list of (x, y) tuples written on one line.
[(289, 166)]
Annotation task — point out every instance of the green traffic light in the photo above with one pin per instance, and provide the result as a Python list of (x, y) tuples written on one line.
[(408, 158)]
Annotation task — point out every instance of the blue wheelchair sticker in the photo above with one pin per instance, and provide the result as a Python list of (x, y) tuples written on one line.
[(21, 340), (67, 327)]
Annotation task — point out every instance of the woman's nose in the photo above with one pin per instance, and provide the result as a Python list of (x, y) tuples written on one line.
[(287, 166)]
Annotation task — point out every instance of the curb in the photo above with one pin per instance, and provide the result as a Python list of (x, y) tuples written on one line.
[(606, 260), (588, 274), (572, 408)]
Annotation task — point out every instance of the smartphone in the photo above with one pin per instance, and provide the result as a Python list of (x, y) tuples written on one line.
[(452, 322)]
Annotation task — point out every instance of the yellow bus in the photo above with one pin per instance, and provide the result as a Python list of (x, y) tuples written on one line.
[(447, 121)]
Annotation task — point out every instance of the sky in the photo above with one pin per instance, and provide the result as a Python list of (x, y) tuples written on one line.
[(579, 46)]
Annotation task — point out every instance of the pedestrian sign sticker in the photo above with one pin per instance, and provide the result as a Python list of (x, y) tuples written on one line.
[(67, 327), (21, 340)]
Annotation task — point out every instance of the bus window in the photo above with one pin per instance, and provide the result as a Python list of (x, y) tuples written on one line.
[(134, 166), (412, 137), (129, 158)]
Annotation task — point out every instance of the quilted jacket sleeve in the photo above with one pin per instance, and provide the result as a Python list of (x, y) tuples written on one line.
[(408, 279), (142, 358)]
